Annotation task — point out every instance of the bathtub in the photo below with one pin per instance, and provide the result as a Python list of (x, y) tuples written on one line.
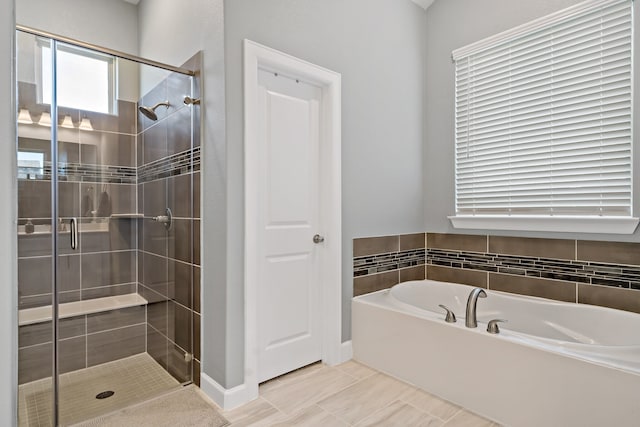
[(552, 364)]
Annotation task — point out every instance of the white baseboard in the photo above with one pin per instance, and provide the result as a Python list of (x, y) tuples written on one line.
[(226, 398), (346, 351), (239, 395)]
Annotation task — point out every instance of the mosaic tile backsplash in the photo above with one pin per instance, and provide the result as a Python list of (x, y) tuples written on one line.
[(387, 262), (622, 276), (590, 272)]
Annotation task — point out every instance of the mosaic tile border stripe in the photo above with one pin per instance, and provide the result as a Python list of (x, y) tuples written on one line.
[(178, 164), (77, 172), (583, 272), (379, 263), (594, 273)]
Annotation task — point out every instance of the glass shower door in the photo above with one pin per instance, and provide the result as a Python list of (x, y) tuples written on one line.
[(106, 286), (101, 344)]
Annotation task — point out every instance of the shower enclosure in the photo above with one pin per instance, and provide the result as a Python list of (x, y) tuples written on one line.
[(108, 229)]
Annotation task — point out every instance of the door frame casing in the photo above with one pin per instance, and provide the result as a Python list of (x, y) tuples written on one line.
[(258, 57)]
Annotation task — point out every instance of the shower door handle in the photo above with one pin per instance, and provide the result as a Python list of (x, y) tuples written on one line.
[(74, 233)]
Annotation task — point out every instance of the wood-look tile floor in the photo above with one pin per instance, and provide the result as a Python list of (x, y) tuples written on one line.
[(350, 394)]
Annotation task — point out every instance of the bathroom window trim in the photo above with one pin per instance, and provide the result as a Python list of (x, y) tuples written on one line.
[(553, 221)]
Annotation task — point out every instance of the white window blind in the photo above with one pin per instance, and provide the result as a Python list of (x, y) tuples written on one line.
[(543, 117)]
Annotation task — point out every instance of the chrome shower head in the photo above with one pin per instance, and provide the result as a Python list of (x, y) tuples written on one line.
[(150, 112)]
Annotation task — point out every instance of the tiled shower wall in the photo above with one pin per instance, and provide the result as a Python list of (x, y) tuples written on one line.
[(92, 163), (169, 260), (589, 272)]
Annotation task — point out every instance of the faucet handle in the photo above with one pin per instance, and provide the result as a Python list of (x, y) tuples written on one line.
[(493, 328), (451, 317)]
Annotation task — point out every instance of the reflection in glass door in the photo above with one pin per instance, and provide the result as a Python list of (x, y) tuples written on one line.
[(106, 292)]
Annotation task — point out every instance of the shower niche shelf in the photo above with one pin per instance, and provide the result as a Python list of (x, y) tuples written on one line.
[(29, 316), (85, 227)]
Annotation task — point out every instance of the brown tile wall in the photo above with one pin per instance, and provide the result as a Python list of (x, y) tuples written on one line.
[(169, 260), (587, 272), (381, 262), (85, 341), (104, 263)]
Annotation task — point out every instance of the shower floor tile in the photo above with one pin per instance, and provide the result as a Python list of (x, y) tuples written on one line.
[(133, 379)]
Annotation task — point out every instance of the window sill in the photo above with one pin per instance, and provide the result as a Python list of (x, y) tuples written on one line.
[(562, 224)]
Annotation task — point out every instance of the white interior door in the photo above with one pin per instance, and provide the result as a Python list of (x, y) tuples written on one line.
[(289, 297)]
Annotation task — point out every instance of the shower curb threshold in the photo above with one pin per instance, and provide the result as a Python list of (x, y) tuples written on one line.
[(29, 316)]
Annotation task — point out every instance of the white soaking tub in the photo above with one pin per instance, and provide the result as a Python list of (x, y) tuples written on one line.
[(552, 364)]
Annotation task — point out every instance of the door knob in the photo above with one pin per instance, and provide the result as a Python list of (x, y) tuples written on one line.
[(318, 239)]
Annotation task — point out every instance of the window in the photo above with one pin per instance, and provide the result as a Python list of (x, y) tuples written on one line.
[(30, 164), (85, 79), (543, 123)]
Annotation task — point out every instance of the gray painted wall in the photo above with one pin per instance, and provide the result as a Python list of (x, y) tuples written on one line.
[(171, 32), (106, 23), (8, 213), (377, 46), (451, 24)]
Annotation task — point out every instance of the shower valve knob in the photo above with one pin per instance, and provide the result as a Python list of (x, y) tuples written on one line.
[(166, 220)]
